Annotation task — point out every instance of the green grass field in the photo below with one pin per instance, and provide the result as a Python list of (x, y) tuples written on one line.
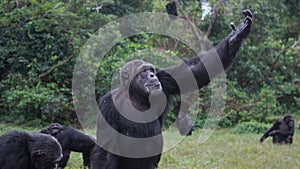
[(222, 150), (227, 151)]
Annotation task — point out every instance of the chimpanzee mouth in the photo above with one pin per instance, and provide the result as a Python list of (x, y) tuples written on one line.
[(153, 87), (56, 128)]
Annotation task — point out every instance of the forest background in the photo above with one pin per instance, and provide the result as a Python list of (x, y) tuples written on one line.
[(40, 41)]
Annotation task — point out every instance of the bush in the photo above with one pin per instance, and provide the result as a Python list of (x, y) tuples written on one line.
[(250, 127), (35, 104)]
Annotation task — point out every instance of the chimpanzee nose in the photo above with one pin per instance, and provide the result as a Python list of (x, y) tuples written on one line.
[(151, 75)]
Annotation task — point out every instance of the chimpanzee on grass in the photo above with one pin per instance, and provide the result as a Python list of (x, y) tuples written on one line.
[(71, 140), (23, 150), (145, 95), (282, 131)]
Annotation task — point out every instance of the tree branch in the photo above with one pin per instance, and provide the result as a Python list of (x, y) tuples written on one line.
[(283, 51), (213, 17), (195, 29), (59, 64), (7, 5)]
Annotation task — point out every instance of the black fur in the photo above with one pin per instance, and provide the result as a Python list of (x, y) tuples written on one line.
[(71, 140), (23, 150), (172, 9), (282, 131), (139, 99), (184, 124)]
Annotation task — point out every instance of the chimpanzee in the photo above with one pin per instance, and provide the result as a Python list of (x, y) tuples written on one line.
[(282, 130), (24, 150), (145, 95), (172, 9), (71, 140)]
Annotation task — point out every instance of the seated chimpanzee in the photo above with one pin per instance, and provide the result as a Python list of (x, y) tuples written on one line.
[(282, 131), (24, 150), (71, 140), (129, 127)]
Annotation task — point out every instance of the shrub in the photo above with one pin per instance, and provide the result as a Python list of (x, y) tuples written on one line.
[(250, 127)]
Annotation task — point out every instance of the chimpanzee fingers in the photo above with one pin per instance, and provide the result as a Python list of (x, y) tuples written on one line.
[(242, 31), (245, 24), (244, 28), (248, 21), (233, 26), (247, 12)]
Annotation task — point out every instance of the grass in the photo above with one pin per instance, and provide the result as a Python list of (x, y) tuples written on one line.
[(226, 150), (223, 150)]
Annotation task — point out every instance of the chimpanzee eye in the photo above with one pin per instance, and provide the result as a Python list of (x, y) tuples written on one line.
[(152, 70), (143, 73)]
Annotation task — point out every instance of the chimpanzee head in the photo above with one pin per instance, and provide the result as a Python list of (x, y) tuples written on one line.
[(45, 151), (289, 120), (172, 9), (140, 77), (54, 128)]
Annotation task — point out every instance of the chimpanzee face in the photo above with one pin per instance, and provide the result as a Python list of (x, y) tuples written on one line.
[(146, 82), (54, 128), (289, 120), (45, 151)]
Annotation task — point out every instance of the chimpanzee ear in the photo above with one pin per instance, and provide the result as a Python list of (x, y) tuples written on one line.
[(125, 74)]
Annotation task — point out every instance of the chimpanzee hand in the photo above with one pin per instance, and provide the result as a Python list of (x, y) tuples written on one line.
[(243, 30), (262, 139)]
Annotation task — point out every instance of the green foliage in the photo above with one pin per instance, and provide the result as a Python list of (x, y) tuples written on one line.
[(226, 122), (35, 104), (269, 57), (250, 127), (35, 38), (38, 36)]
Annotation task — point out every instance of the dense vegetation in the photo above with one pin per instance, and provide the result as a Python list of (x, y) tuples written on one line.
[(40, 40)]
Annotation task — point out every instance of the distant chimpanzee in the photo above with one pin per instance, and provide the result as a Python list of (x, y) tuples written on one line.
[(282, 131), (23, 150), (131, 117), (172, 9), (71, 140)]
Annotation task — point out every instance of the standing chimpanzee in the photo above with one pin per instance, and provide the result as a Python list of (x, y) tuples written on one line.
[(71, 140), (282, 131), (23, 150), (131, 117)]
